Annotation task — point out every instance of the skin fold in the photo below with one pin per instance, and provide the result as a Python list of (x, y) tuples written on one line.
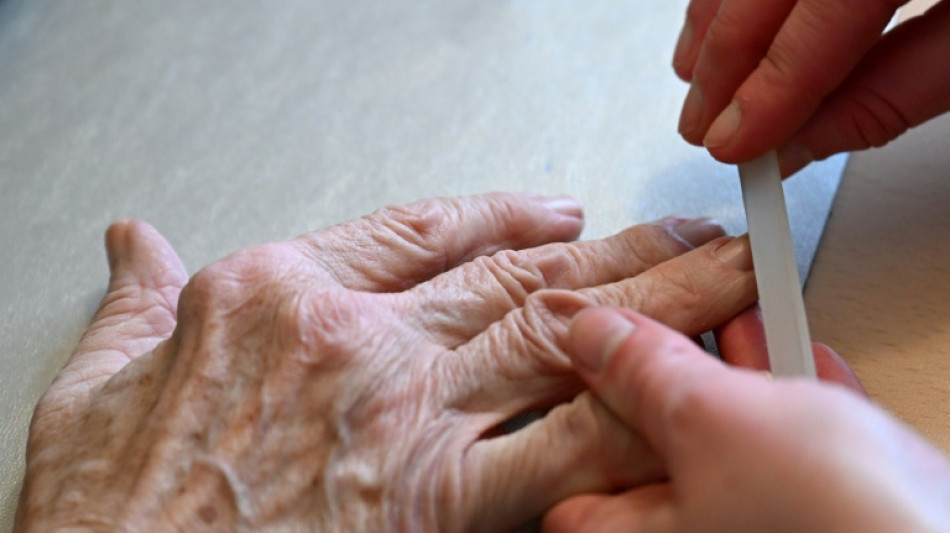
[(354, 378), (742, 451)]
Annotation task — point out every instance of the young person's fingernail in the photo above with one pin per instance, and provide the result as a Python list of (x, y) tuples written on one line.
[(724, 128), (793, 157), (598, 336), (683, 44), (692, 110)]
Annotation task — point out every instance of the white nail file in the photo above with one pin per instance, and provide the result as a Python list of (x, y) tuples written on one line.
[(776, 271)]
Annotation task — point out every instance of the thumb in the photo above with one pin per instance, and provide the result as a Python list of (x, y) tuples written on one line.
[(645, 372), (646, 508), (137, 312)]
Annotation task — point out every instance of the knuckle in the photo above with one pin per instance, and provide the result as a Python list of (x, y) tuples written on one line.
[(662, 291), (253, 296), (684, 287), (543, 323), (328, 321), (724, 31), (52, 414), (515, 275), (210, 288), (650, 244), (875, 119), (238, 279), (271, 260), (503, 206), (417, 224), (784, 69), (727, 38), (570, 265), (780, 70)]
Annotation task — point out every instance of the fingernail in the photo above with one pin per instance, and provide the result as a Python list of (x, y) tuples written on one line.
[(597, 334), (793, 157), (672, 220), (699, 231), (115, 237), (724, 128), (683, 44), (564, 205), (692, 110), (736, 253)]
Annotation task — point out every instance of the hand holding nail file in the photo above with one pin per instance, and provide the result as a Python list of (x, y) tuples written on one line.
[(776, 271)]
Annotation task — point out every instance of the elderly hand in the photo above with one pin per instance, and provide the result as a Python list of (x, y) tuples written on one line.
[(355, 378), (814, 77), (743, 452)]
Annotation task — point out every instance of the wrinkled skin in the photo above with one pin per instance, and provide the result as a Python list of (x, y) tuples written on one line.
[(354, 379)]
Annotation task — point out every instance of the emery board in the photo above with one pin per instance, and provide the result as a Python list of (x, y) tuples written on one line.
[(776, 271)]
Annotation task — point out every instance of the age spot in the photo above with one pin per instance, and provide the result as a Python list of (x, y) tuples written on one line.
[(207, 514)]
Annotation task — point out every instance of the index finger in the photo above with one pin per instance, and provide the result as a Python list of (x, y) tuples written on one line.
[(816, 47), (396, 248)]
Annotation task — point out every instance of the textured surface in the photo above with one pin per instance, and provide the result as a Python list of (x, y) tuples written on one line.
[(880, 289), (228, 124)]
